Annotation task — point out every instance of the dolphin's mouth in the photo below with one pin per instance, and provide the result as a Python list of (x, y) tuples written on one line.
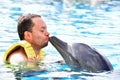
[(64, 49), (57, 43)]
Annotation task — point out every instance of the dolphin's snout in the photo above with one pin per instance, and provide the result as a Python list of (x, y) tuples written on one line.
[(57, 42), (53, 39)]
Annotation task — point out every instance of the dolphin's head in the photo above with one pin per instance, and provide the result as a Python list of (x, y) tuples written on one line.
[(65, 50)]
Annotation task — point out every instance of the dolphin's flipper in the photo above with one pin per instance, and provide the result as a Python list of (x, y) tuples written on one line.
[(81, 55)]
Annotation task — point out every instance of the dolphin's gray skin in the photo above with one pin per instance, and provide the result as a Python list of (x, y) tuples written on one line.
[(82, 56)]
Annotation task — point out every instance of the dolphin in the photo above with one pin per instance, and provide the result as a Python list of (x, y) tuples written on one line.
[(81, 55)]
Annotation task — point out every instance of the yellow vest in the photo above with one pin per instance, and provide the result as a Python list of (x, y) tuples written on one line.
[(28, 50)]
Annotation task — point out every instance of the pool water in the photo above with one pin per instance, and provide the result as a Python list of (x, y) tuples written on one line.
[(97, 26)]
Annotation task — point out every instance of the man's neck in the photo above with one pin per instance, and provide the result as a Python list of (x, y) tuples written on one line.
[(36, 50)]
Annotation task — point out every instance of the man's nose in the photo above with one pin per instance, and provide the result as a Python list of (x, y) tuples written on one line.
[(47, 33)]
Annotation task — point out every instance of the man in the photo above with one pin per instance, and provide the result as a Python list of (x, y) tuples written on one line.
[(34, 36)]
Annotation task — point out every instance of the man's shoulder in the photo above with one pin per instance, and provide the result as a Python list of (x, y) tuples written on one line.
[(17, 57)]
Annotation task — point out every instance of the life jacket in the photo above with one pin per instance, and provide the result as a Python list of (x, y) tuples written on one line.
[(28, 50)]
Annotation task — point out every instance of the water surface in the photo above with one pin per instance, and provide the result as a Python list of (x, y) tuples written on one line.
[(97, 27)]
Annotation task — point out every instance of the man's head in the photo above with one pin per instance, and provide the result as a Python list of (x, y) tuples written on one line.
[(33, 29), (25, 24)]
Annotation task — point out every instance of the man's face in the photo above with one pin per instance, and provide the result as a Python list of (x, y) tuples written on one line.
[(40, 35)]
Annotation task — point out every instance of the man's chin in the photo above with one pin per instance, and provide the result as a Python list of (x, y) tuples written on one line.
[(45, 45)]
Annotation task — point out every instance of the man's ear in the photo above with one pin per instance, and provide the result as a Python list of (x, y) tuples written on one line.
[(27, 35)]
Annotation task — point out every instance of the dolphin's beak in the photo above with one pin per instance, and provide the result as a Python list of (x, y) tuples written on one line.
[(63, 48), (58, 44)]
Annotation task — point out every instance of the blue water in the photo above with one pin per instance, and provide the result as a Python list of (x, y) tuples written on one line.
[(96, 26)]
